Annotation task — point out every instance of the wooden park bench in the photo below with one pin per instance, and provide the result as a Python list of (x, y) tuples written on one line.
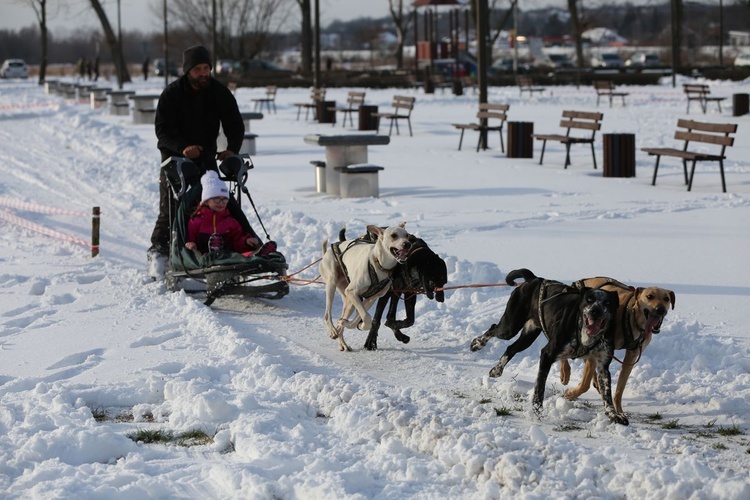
[(525, 84), (269, 100), (717, 134), (353, 101), (439, 82), (606, 88), (701, 93), (487, 112), (402, 108), (315, 96), (583, 120)]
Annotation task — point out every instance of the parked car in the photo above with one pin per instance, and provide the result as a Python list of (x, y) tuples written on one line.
[(606, 60), (505, 65), (226, 66), (159, 68), (560, 61), (259, 67), (643, 60), (14, 68), (742, 60)]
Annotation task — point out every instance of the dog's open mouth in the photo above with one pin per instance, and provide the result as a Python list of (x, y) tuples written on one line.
[(653, 322), (400, 254), (595, 326)]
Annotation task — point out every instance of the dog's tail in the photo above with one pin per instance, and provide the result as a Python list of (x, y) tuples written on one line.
[(512, 276)]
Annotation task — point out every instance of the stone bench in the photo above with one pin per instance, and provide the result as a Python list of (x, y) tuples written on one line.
[(248, 144), (118, 101), (98, 96), (359, 181), (344, 150), (249, 116), (144, 110)]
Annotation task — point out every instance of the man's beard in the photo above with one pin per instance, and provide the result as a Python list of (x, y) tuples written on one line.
[(199, 83)]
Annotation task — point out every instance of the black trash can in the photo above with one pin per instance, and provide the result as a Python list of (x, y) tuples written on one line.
[(619, 155), (458, 87), (740, 104), (367, 118), (325, 111), (520, 142)]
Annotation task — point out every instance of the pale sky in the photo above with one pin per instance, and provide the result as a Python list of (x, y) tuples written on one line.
[(136, 14)]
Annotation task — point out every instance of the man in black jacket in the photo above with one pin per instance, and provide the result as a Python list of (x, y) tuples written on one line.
[(187, 122)]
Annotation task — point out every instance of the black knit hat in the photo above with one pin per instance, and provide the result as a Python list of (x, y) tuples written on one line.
[(193, 56)]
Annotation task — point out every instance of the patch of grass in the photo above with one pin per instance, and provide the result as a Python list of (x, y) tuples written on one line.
[(484, 401), (518, 397), (654, 417), (719, 446), (148, 436), (729, 431), (710, 424), (704, 434), (503, 412), (459, 395), (671, 424), (196, 437), (567, 427), (99, 414)]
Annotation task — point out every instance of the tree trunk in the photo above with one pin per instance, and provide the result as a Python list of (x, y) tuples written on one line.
[(676, 34), (306, 47), (122, 70), (575, 18), (40, 9)]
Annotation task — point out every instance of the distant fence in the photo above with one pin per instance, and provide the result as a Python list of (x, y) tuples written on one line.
[(32, 207)]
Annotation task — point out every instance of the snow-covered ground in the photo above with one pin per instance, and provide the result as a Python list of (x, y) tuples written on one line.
[(292, 417)]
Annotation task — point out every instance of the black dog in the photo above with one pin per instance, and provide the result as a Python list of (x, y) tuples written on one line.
[(576, 321), (424, 271)]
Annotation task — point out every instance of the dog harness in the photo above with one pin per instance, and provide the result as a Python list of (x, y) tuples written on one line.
[(376, 285)]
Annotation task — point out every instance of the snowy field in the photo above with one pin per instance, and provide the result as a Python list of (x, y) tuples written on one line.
[(91, 353)]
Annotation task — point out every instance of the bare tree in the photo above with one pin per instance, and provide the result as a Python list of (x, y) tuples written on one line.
[(243, 27), (306, 45), (40, 10), (676, 25), (578, 28), (123, 75), (402, 22)]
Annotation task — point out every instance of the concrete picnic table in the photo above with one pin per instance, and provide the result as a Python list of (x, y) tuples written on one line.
[(343, 150), (144, 110), (248, 116)]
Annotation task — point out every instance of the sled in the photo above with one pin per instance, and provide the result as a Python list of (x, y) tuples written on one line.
[(218, 273)]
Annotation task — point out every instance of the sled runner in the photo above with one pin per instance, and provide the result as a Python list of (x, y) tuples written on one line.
[(221, 273)]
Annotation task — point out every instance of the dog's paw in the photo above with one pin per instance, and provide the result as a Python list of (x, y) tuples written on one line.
[(344, 347), (496, 371), (571, 394), (402, 338), (477, 344), (618, 418)]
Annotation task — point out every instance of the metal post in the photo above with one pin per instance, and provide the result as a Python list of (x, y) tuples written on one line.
[(166, 47), (120, 68), (316, 69), (95, 231)]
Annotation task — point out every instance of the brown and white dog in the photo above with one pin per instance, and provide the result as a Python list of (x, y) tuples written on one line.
[(360, 270), (639, 315)]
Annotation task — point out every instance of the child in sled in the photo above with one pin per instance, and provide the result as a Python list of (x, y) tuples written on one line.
[(212, 228)]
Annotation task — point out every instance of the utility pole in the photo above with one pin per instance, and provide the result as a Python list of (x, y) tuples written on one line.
[(213, 31), (120, 68), (166, 47), (316, 69)]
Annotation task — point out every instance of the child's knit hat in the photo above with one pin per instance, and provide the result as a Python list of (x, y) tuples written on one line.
[(213, 186)]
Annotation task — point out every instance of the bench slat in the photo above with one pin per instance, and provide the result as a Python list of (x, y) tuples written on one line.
[(721, 140), (581, 125), (725, 128)]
